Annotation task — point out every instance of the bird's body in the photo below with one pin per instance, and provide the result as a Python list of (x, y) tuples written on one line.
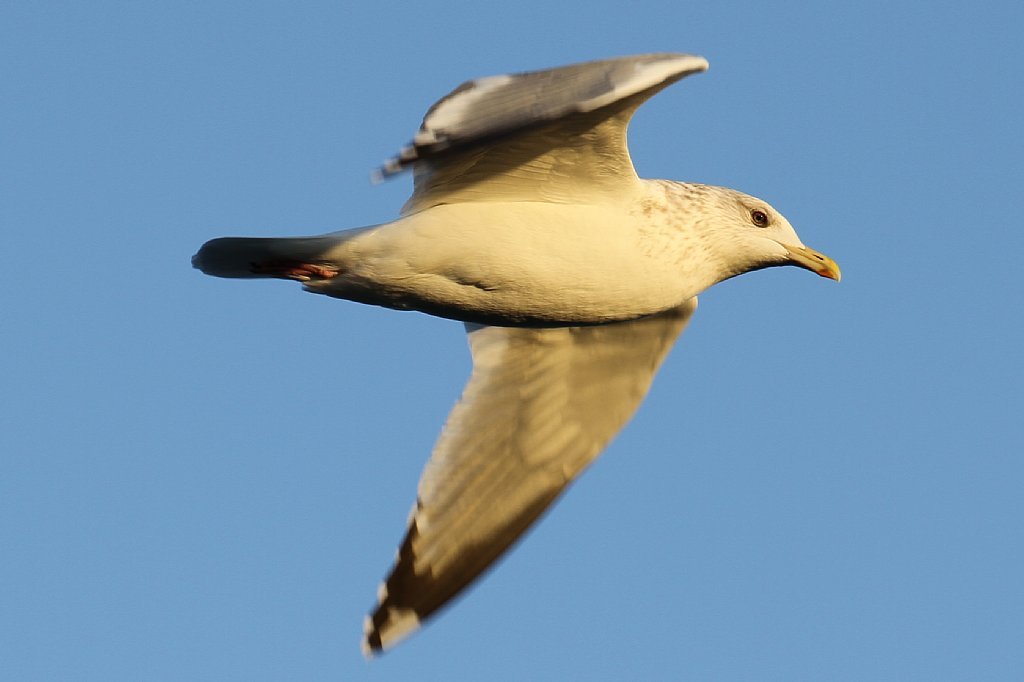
[(533, 263), (574, 278)]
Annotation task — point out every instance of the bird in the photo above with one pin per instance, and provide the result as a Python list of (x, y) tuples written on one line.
[(572, 276)]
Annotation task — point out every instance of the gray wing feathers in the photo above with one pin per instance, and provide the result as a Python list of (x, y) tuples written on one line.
[(487, 108), (557, 136), (540, 406)]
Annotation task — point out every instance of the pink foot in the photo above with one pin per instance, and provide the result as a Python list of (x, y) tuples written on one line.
[(301, 272)]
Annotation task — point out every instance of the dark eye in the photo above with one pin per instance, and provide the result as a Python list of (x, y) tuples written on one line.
[(759, 217)]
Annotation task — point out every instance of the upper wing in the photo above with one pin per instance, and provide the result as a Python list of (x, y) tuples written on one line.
[(541, 405), (554, 135)]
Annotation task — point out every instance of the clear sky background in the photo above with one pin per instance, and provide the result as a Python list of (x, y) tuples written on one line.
[(206, 479)]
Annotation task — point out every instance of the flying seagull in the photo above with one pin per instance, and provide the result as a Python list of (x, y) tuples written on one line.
[(573, 277)]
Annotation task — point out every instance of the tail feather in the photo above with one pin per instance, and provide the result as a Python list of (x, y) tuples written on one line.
[(249, 257)]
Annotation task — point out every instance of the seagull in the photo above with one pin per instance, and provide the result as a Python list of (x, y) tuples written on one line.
[(573, 278)]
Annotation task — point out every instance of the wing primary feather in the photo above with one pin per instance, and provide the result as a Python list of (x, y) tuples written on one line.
[(489, 109), (540, 405)]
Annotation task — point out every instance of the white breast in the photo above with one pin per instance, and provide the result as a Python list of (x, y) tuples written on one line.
[(522, 261)]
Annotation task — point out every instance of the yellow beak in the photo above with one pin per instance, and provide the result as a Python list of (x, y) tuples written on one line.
[(813, 261)]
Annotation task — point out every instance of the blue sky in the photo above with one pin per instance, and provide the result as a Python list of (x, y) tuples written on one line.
[(205, 479)]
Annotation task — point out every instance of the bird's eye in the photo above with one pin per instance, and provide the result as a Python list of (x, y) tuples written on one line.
[(759, 217)]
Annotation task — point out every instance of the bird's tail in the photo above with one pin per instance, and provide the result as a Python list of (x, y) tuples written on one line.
[(252, 257)]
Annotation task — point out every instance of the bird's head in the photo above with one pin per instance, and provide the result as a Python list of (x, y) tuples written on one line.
[(747, 234)]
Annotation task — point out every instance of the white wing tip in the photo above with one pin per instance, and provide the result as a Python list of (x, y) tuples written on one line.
[(677, 65), (693, 62)]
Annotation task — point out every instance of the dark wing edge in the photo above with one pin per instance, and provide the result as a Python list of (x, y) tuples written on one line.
[(484, 110), (487, 481)]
